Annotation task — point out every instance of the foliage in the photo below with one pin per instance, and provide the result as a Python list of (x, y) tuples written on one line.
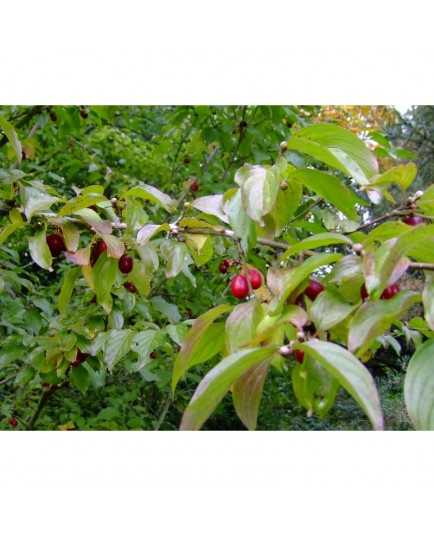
[(159, 340)]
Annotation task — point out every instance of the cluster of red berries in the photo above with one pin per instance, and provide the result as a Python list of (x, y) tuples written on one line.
[(388, 293), (240, 285)]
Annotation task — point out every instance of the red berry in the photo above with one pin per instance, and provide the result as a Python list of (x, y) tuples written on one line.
[(102, 246), (129, 286), (227, 262), (56, 244), (194, 187), (75, 363), (299, 301), (239, 286), (223, 268), (186, 160), (53, 116), (414, 221), (45, 384), (81, 356), (363, 292), (255, 279), (13, 422), (153, 355), (313, 289), (299, 356), (126, 264), (23, 155), (93, 300), (84, 114), (390, 291)]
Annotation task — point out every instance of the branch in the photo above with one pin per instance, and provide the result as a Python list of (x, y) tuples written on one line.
[(23, 121)]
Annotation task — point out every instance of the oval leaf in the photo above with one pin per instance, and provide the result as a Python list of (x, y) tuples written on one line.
[(197, 347), (419, 387), (217, 383), (351, 374), (67, 288)]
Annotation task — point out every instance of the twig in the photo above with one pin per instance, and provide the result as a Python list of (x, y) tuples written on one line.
[(164, 412), (42, 401)]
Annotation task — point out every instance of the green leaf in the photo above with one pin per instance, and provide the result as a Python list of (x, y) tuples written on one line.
[(35, 200), (314, 386), (200, 247), (12, 136), (287, 202), (247, 393), (198, 345), (351, 374), (39, 250), (140, 279), (241, 324), (144, 343), (330, 308), (374, 317), (148, 231), (402, 175), (428, 300), (243, 226), (175, 254), (80, 202), (211, 204), (283, 281), (8, 230), (153, 194), (94, 221), (390, 254), (169, 310), (67, 288), (117, 345), (316, 241), (259, 186), (338, 148), (217, 382), (104, 276), (331, 188), (419, 387), (80, 378)]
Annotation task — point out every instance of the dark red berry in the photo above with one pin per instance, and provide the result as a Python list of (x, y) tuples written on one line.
[(75, 363), (223, 268), (153, 355), (102, 246), (226, 262), (23, 155), (56, 244), (84, 114), (414, 221), (13, 422), (53, 116), (239, 287), (255, 279), (186, 160), (129, 286), (299, 356), (194, 187), (313, 289), (81, 356), (363, 292), (299, 301), (390, 291), (93, 300), (45, 384), (126, 264)]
